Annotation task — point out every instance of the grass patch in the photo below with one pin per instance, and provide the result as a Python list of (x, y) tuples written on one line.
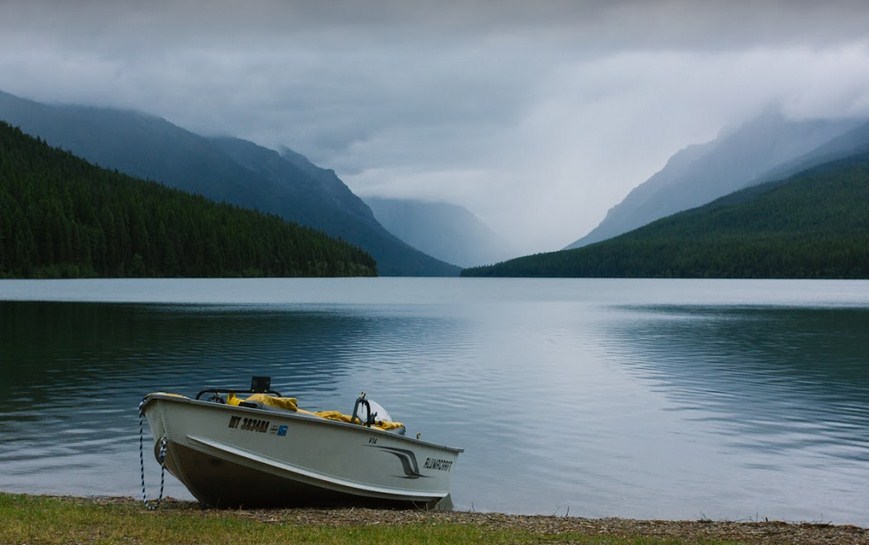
[(47, 520), (41, 520)]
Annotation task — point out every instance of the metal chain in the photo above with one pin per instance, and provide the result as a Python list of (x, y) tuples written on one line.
[(161, 457)]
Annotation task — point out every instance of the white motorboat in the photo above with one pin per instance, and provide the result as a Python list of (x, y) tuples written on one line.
[(265, 451)]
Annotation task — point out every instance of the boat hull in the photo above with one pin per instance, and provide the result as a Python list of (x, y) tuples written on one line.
[(231, 456)]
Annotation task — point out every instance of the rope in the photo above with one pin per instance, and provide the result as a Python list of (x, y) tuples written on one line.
[(161, 457)]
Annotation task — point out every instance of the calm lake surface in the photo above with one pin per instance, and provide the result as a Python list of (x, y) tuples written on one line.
[(675, 399)]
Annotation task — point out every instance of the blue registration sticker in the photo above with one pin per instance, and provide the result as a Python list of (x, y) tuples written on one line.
[(282, 431)]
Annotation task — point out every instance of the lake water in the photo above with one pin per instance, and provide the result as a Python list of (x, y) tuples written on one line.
[(675, 399)]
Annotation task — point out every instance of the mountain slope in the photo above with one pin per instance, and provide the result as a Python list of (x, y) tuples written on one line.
[(318, 198), (446, 231), (61, 216), (812, 225), (701, 173), (223, 169), (853, 142)]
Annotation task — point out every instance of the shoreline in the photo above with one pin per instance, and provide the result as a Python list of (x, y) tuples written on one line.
[(553, 528)]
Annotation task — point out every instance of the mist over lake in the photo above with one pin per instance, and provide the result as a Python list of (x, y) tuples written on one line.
[(675, 399)]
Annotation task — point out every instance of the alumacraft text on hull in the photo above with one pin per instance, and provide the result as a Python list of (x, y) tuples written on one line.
[(265, 451)]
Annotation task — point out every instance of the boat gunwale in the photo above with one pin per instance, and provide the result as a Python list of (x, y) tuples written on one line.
[(178, 398)]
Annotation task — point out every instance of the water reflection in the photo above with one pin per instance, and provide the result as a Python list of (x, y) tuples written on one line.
[(772, 379)]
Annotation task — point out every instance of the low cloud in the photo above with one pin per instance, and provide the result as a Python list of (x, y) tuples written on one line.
[(537, 116)]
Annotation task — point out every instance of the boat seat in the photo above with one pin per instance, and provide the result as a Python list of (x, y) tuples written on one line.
[(268, 402)]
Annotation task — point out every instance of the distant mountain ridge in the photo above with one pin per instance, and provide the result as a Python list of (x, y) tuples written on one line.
[(814, 224), (223, 169), (446, 231), (701, 173)]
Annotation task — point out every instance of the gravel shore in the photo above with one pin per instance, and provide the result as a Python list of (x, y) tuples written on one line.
[(760, 532)]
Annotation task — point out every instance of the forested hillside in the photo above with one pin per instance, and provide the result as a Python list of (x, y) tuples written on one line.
[(223, 169), (699, 174), (63, 217), (813, 225)]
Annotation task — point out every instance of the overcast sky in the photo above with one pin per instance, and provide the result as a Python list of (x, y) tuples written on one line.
[(537, 115)]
